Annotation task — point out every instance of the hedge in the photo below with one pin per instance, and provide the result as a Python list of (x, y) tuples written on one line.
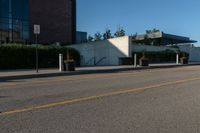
[(161, 56), (16, 56)]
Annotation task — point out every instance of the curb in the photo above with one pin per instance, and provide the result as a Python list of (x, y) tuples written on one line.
[(82, 72)]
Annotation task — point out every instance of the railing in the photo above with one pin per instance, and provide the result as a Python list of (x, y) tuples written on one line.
[(98, 62), (90, 61)]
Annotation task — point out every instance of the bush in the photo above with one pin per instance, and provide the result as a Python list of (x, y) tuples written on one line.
[(15, 56), (161, 56)]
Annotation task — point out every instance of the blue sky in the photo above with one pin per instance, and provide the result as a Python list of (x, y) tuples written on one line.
[(181, 17)]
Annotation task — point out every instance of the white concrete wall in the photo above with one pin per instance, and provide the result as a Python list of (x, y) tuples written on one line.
[(108, 51), (194, 52), (140, 48)]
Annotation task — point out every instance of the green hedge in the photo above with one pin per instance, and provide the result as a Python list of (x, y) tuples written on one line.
[(161, 56), (18, 56)]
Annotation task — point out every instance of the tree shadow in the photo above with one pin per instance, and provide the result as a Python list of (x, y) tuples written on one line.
[(3, 97)]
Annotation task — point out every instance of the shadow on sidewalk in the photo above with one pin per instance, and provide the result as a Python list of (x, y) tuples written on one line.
[(59, 74), (84, 72)]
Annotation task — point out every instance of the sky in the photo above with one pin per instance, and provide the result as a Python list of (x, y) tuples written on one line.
[(180, 17)]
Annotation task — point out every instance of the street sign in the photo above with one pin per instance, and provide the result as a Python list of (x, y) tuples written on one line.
[(36, 32), (36, 29)]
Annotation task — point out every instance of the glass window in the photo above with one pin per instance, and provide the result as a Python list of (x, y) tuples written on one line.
[(14, 20)]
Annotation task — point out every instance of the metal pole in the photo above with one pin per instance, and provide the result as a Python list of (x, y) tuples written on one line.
[(36, 53)]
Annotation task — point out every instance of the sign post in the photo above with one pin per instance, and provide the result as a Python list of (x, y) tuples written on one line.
[(36, 32)]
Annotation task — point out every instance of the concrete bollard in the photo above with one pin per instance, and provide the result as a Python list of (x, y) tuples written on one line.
[(61, 63), (177, 59), (135, 60)]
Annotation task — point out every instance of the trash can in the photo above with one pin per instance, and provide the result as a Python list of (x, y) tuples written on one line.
[(69, 65), (144, 62), (184, 60)]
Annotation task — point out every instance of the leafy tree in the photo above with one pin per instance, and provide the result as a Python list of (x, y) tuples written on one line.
[(134, 36), (120, 32), (107, 34), (97, 36), (90, 38), (152, 31)]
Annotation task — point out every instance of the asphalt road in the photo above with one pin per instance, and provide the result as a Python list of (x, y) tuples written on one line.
[(146, 101)]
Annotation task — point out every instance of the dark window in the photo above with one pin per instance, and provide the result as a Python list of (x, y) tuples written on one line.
[(14, 20)]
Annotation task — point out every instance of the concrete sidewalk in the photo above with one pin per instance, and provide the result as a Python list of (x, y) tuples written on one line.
[(31, 73)]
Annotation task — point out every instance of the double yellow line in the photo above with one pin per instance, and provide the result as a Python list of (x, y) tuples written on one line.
[(89, 98)]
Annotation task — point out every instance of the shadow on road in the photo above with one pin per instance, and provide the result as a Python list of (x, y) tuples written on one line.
[(83, 72), (3, 97)]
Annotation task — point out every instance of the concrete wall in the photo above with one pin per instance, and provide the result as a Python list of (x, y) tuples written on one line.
[(105, 52), (139, 48), (109, 52), (193, 51)]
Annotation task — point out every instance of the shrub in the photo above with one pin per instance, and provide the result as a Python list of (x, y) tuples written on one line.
[(161, 56), (16, 56)]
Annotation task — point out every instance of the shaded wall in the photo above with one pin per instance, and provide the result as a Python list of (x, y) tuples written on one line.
[(194, 52), (140, 48), (107, 52)]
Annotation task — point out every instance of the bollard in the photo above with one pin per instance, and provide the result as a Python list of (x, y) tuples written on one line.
[(135, 60), (61, 65), (177, 59)]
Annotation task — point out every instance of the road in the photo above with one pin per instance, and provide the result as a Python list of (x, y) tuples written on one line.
[(146, 101)]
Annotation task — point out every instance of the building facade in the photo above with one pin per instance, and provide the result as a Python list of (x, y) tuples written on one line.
[(119, 51), (57, 20)]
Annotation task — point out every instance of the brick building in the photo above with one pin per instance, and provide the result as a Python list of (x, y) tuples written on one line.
[(57, 19)]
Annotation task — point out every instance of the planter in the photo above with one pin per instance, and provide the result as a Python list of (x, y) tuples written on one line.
[(184, 60), (144, 62), (69, 65)]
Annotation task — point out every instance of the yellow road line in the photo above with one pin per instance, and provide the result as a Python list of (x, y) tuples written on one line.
[(77, 100)]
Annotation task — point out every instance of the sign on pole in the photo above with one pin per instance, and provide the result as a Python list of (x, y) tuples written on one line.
[(36, 29), (36, 32)]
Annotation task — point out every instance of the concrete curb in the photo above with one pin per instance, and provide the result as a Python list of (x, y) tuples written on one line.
[(82, 72)]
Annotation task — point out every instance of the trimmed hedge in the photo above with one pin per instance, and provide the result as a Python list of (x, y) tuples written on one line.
[(161, 56), (16, 56)]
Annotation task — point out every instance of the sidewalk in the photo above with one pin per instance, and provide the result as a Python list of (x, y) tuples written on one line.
[(25, 74)]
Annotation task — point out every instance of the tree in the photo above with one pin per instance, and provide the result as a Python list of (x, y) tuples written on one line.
[(120, 32), (97, 36), (134, 36), (107, 34), (90, 38), (152, 31)]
